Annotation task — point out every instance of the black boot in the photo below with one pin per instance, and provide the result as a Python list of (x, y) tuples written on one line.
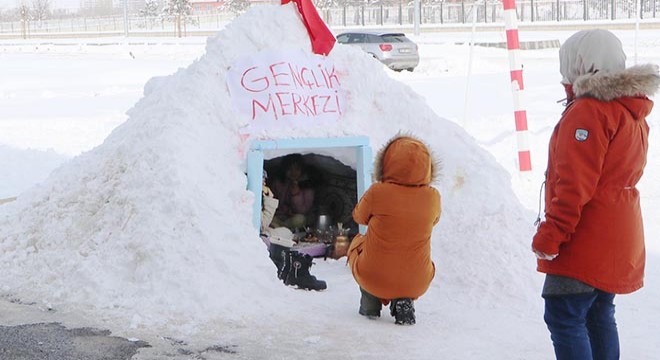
[(280, 256), (369, 305), (298, 274), (403, 311)]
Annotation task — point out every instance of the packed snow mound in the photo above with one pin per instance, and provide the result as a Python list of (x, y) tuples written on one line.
[(153, 227), (27, 165)]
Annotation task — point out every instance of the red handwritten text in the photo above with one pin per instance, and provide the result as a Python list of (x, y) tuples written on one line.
[(286, 89)]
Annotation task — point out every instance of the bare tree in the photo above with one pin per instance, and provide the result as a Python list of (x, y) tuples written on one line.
[(178, 11), (24, 16), (326, 4), (151, 9), (236, 6), (40, 10), (151, 13)]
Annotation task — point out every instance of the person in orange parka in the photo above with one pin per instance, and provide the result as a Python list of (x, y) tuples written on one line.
[(392, 261), (591, 244)]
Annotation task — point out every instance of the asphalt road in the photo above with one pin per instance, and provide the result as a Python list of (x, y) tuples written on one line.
[(52, 341)]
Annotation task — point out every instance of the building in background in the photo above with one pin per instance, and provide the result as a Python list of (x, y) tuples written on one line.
[(200, 7)]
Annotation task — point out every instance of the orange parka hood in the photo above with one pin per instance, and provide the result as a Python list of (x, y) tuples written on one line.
[(405, 160)]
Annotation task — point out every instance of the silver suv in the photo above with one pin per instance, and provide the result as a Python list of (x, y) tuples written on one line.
[(394, 50)]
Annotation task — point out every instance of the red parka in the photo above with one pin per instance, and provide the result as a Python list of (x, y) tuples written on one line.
[(393, 259), (597, 155)]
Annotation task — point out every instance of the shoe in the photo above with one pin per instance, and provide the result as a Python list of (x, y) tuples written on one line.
[(403, 311), (298, 273), (369, 315), (280, 257)]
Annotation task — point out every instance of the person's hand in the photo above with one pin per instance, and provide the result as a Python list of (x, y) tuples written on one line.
[(265, 190), (543, 256)]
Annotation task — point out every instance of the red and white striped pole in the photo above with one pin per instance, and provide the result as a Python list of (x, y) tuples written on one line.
[(517, 86)]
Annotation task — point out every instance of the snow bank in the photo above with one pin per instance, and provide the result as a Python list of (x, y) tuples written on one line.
[(153, 227)]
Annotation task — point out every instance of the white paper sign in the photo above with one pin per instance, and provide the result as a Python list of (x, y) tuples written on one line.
[(286, 88)]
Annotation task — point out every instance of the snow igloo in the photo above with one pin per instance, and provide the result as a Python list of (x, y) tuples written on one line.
[(156, 227)]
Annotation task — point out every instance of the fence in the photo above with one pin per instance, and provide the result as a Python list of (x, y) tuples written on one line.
[(113, 25), (355, 16), (491, 12)]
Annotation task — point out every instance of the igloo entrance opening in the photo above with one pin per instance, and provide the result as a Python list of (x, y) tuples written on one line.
[(334, 171)]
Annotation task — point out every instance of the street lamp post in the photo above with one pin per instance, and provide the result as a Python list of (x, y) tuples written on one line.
[(416, 17), (126, 18)]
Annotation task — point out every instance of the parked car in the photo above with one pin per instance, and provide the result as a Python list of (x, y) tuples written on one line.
[(394, 50)]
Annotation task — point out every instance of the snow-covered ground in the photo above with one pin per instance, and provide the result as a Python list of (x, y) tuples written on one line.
[(59, 101)]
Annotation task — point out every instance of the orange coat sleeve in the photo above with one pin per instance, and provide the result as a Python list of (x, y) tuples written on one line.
[(576, 170), (439, 208), (363, 211)]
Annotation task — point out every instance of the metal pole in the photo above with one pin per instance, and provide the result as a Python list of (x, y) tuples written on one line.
[(416, 17), (559, 12), (485, 11), (126, 18), (517, 86), (639, 15), (362, 10), (654, 9), (381, 14), (466, 104), (343, 16), (442, 13)]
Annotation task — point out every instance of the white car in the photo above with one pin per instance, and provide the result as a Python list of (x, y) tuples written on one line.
[(394, 50)]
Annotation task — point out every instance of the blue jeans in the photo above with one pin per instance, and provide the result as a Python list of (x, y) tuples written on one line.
[(582, 326)]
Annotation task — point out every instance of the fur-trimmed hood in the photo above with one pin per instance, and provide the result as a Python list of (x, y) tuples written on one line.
[(640, 80), (593, 64), (405, 160)]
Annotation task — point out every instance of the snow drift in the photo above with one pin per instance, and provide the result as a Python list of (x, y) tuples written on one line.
[(153, 227)]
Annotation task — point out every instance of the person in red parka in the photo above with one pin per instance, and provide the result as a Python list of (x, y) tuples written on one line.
[(392, 261), (591, 244)]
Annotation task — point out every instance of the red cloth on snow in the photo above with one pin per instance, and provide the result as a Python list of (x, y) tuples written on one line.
[(321, 37)]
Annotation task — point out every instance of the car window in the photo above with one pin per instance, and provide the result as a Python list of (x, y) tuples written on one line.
[(356, 38), (342, 39), (394, 38), (374, 39)]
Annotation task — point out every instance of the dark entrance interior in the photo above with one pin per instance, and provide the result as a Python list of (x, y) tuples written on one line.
[(334, 185)]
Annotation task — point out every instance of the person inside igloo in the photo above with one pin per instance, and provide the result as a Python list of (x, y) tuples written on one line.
[(293, 186), (293, 267)]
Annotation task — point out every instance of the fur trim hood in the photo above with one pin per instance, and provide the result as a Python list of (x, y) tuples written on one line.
[(406, 160), (593, 63), (640, 80)]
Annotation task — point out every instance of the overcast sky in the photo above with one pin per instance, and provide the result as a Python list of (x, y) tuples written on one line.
[(55, 4)]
